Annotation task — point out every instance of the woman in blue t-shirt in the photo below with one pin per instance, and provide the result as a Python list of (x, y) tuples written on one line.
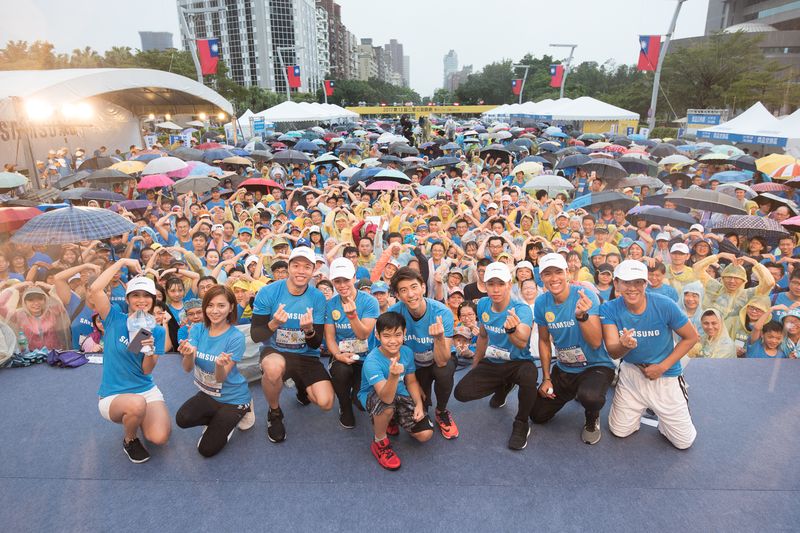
[(211, 353), (128, 395)]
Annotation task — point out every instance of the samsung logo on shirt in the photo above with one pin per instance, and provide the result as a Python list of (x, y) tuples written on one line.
[(206, 356), (495, 329), (421, 340), (647, 333), (560, 325), (295, 316), (123, 339), (340, 325)]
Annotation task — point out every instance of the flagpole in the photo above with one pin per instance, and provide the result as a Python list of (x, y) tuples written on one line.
[(325, 90), (567, 65), (651, 123)]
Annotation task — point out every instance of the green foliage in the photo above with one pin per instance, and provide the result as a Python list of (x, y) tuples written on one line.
[(373, 92), (661, 132)]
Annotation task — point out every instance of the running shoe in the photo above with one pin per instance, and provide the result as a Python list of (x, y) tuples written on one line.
[(346, 417), (302, 396), (447, 425), (382, 450), (499, 398), (248, 420), (393, 429), (591, 430), (276, 432), (136, 451), (519, 435)]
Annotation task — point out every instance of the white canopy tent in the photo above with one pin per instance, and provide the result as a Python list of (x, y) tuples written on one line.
[(790, 128), (584, 108), (756, 125), (306, 112)]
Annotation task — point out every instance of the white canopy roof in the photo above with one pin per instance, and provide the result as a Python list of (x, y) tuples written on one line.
[(139, 90), (305, 112), (754, 126), (579, 109)]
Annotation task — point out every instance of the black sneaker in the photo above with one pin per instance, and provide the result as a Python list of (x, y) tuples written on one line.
[(519, 435), (346, 417), (276, 432), (302, 397), (136, 451), (499, 398)]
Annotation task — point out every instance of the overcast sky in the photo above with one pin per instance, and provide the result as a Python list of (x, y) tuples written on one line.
[(479, 31)]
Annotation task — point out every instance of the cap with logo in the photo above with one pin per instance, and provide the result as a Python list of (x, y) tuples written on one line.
[(631, 270), (552, 260), (679, 248), (497, 271), (379, 286), (303, 252), (141, 283), (342, 268)]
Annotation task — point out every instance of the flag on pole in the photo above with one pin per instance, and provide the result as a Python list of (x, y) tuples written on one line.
[(294, 76), (329, 87), (556, 75), (208, 50), (516, 87), (649, 50)]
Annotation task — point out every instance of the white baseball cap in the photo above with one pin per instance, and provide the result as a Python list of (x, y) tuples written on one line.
[(303, 252), (491, 205), (342, 268), (698, 227), (630, 270), (552, 260), (524, 264), (663, 236), (497, 270), (679, 247), (250, 260), (314, 229), (141, 283)]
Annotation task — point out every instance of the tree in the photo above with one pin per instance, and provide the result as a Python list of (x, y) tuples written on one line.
[(85, 58)]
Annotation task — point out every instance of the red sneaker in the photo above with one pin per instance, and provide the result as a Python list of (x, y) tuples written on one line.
[(385, 455), (393, 429), (447, 425)]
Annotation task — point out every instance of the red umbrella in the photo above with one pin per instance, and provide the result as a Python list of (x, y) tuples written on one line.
[(770, 186), (792, 224), (13, 218), (155, 181), (279, 146), (259, 183), (208, 146)]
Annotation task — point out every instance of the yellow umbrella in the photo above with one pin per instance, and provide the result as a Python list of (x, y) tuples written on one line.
[(529, 168), (772, 162), (129, 167)]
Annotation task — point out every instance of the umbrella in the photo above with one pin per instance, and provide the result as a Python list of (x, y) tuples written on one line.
[(131, 205), (101, 195), (713, 156), (349, 147), (326, 158), (605, 169), (155, 181), (497, 151), (537, 159), (196, 184), (66, 181), (431, 191), (11, 180), (306, 146), (751, 226), (292, 157), (785, 172), (363, 174), (660, 215), (349, 171), (612, 199), (591, 137), (146, 158), (262, 184), (129, 167), (237, 160), (261, 155), (744, 162), (107, 176), (13, 218), (674, 159), (383, 186), (501, 135), (777, 201), (216, 154), (727, 150), (162, 165), (450, 146), (390, 159), (207, 146), (663, 150), (732, 176), (167, 125), (255, 145), (94, 163), (529, 169), (444, 161), (572, 161), (547, 182), (730, 189), (771, 186), (792, 224), (403, 149), (71, 225), (638, 166), (639, 181), (659, 200), (707, 200), (390, 174), (772, 162)]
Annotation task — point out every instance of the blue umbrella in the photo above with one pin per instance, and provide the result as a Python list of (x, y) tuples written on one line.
[(558, 134), (240, 151), (203, 169), (131, 205), (572, 161), (611, 199), (450, 146), (660, 215), (637, 137), (71, 225), (146, 158), (732, 176), (216, 154), (318, 142), (102, 196), (536, 159), (431, 191), (306, 146), (49, 207), (444, 161), (364, 175)]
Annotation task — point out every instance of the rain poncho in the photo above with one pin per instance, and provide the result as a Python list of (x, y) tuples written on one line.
[(719, 347), (50, 330), (718, 297), (694, 287), (738, 326)]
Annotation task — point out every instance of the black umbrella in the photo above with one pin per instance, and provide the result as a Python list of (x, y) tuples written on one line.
[(427, 179), (95, 163), (402, 149), (261, 155), (102, 196), (659, 200), (349, 147), (663, 150), (639, 181), (498, 151), (707, 200), (634, 165), (777, 201), (660, 215), (572, 161), (390, 159), (751, 226), (444, 161), (107, 176), (188, 154), (66, 181), (605, 169), (292, 157), (744, 162)]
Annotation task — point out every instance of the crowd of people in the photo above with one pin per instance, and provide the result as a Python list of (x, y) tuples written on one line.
[(372, 296)]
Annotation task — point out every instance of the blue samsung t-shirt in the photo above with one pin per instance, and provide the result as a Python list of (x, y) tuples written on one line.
[(118, 297), (122, 370), (664, 290), (366, 307), (653, 329), (81, 325), (417, 337), (289, 338), (782, 298), (756, 350), (234, 389), (572, 352), (376, 369), (500, 349)]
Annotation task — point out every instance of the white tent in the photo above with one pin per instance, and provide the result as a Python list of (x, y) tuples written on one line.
[(756, 125), (790, 128), (305, 112), (588, 108)]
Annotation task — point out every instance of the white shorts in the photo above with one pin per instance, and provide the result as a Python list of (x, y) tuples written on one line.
[(152, 395), (666, 396)]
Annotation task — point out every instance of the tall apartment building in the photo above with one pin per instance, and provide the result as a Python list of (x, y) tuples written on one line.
[(450, 62), (397, 60), (255, 34), (323, 41), (406, 71)]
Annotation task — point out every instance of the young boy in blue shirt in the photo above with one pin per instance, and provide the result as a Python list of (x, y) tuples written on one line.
[(389, 389), (766, 340)]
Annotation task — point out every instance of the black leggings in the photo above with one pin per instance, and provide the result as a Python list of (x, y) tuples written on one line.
[(444, 378), (221, 419), (589, 387), (346, 381), (487, 378)]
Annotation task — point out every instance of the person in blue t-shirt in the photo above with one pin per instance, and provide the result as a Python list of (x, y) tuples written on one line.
[(429, 334), (289, 322), (128, 395), (638, 328), (349, 321), (567, 317), (502, 357), (656, 272), (211, 352), (390, 391), (766, 340)]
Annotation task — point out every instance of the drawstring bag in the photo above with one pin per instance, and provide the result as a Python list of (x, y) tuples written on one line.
[(66, 358)]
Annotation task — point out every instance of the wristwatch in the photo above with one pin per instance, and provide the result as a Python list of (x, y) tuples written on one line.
[(509, 331), (582, 319)]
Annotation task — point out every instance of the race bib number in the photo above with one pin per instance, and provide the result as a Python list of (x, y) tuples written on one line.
[(424, 357), (493, 352), (572, 356), (358, 346), (206, 382), (293, 339)]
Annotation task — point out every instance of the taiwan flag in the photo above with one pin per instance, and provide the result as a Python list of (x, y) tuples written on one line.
[(516, 87), (294, 76), (556, 75), (208, 50), (329, 87), (649, 49)]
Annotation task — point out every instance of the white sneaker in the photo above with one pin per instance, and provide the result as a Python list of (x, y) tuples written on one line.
[(248, 420)]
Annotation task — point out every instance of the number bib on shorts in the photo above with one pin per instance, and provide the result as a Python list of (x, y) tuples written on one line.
[(493, 352), (423, 357), (572, 356), (356, 346), (207, 383), (293, 339)]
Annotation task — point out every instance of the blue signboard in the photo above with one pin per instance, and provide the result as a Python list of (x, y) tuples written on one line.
[(630, 130), (704, 120), (259, 125), (747, 139)]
